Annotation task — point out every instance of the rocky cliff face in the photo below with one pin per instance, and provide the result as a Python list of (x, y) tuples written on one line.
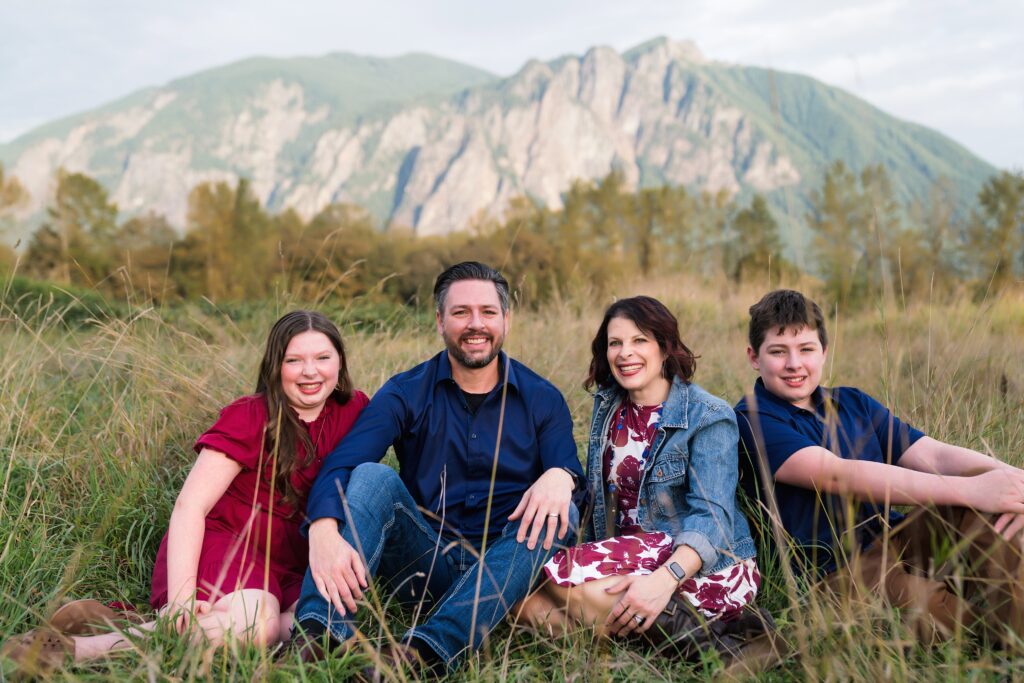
[(661, 113)]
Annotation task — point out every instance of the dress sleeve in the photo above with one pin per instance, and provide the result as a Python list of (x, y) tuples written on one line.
[(238, 432)]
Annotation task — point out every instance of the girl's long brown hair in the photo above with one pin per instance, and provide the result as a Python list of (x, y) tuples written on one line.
[(291, 434)]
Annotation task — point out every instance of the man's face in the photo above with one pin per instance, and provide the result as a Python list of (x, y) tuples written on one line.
[(790, 364), (472, 324)]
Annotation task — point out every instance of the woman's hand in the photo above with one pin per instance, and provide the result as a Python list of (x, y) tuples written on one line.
[(644, 597), (184, 613)]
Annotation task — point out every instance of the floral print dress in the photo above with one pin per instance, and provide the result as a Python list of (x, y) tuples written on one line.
[(635, 551)]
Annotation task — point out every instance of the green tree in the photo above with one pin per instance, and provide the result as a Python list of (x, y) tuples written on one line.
[(754, 248), (74, 244), (995, 239), (144, 245), (851, 218), (231, 237)]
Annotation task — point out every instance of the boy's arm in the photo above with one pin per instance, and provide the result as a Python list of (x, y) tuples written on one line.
[(936, 457), (999, 490)]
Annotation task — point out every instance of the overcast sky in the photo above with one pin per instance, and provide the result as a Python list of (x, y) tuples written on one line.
[(955, 65)]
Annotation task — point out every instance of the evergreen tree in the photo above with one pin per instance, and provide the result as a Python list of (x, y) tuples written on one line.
[(995, 240)]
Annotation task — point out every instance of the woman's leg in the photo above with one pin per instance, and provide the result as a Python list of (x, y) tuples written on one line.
[(558, 609), (248, 614)]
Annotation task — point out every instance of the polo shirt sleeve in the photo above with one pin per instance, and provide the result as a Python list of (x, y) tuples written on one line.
[(379, 425), (894, 436), (774, 438)]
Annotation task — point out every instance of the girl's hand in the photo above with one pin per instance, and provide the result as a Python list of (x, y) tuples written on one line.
[(644, 597), (184, 613)]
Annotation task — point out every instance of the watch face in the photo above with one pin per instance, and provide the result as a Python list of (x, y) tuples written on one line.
[(677, 571)]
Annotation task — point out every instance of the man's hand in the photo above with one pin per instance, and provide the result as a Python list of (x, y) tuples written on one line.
[(546, 502), (336, 568)]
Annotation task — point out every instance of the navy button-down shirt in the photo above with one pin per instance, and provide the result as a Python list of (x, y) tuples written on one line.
[(847, 422), (446, 452)]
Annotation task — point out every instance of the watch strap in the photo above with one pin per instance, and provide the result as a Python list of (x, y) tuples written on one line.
[(676, 571)]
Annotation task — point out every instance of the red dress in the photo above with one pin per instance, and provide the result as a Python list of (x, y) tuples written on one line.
[(237, 552)]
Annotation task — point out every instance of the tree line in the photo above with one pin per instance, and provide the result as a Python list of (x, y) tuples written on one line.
[(863, 244)]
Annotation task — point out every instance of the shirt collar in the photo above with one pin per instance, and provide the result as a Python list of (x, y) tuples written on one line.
[(444, 369), (766, 398)]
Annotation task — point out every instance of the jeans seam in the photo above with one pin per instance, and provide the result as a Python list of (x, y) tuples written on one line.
[(434, 645)]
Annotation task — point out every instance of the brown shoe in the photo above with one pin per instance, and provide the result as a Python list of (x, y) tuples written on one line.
[(84, 618), (39, 651)]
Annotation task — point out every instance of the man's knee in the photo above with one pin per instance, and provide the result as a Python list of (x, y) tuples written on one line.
[(373, 479)]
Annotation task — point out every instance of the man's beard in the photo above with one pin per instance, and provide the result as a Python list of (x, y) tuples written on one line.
[(471, 362)]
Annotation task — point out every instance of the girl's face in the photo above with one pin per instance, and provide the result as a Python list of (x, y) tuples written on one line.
[(309, 373)]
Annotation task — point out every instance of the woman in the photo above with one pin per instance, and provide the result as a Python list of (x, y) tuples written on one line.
[(662, 465), (233, 560)]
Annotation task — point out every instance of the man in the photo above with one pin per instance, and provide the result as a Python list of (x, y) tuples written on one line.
[(836, 460), (487, 472)]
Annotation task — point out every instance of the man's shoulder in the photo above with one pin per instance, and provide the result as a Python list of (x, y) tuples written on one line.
[(531, 384), (416, 375)]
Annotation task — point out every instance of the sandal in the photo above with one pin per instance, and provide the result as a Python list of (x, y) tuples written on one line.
[(38, 651)]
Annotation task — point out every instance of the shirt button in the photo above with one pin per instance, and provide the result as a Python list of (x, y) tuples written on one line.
[(472, 436), (642, 501), (659, 473)]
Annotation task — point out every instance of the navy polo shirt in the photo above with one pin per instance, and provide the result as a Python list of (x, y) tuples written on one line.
[(446, 451), (847, 422)]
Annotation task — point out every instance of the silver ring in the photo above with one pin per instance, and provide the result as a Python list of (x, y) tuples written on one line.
[(553, 514), (638, 619)]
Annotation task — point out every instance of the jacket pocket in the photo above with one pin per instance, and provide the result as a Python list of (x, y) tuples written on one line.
[(666, 483)]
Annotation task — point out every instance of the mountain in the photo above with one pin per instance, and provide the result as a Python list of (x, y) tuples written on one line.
[(429, 143)]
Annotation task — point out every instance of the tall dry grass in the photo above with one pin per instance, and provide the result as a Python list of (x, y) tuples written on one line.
[(97, 421)]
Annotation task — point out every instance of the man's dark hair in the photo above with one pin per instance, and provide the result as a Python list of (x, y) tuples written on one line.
[(469, 270), (783, 309)]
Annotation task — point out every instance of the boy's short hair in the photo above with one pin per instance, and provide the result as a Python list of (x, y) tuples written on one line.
[(782, 309)]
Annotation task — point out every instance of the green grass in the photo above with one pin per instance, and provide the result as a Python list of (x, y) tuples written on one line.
[(97, 420)]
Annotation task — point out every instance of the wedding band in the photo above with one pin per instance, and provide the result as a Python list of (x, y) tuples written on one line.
[(638, 619), (553, 514)]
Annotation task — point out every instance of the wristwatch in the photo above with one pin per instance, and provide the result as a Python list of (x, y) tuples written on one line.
[(676, 571), (576, 479)]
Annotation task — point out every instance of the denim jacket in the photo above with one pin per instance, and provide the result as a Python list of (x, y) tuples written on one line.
[(688, 488)]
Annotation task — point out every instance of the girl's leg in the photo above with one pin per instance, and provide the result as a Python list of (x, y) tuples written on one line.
[(248, 614), (286, 621)]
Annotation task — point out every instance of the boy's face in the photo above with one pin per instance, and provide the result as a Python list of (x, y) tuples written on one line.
[(790, 364)]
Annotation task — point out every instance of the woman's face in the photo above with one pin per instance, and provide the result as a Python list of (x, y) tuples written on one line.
[(636, 362), (309, 373)]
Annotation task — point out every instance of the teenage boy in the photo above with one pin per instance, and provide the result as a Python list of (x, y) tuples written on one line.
[(837, 459)]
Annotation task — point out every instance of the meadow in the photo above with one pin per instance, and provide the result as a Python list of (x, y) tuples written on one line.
[(98, 414)]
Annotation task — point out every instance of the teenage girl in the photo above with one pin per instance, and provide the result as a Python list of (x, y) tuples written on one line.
[(233, 559)]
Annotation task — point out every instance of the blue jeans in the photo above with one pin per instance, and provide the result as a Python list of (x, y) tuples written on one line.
[(397, 544)]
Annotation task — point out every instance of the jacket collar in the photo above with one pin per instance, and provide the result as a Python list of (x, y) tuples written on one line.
[(675, 410)]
